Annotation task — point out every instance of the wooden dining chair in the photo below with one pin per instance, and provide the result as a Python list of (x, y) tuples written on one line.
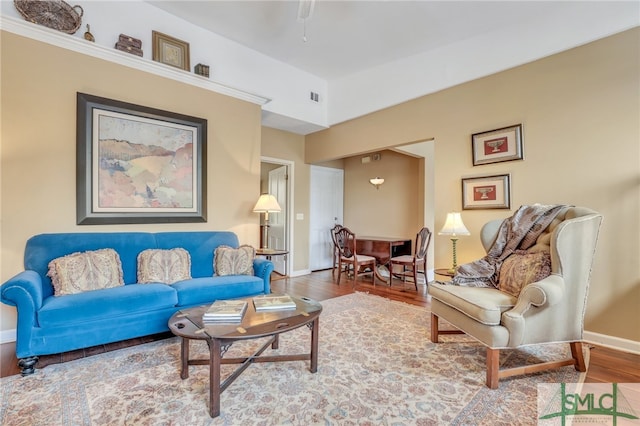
[(349, 260), (413, 265), (336, 251)]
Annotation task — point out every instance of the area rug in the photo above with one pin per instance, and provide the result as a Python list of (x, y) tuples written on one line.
[(376, 366)]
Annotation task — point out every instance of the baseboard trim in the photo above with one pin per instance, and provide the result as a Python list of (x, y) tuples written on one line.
[(7, 336), (617, 343), (300, 273)]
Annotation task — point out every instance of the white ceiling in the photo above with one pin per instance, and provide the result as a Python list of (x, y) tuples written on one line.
[(347, 36), (372, 54)]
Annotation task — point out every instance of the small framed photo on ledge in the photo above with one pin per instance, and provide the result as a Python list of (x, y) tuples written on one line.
[(170, 51), (497, 145), (486, 192)]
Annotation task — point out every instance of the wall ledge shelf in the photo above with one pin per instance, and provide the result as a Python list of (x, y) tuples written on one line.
[(65, 41)]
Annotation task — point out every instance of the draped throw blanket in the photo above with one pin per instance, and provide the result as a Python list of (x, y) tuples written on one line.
[(519, 232)]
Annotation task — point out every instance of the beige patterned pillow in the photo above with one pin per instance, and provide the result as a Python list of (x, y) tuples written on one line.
[(230, 261), (164, 266), (86, 271), (520, 269)]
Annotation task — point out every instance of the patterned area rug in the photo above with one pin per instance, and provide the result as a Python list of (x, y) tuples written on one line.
[(377, 366)]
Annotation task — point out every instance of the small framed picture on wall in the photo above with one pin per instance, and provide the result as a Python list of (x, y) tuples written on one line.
[(497, 145), (486, 192), (170, 51)]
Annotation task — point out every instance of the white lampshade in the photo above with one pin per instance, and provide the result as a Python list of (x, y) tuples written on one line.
[(267, 203), (454, 226)]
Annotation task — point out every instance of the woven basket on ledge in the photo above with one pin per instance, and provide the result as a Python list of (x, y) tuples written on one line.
[(54, 14)]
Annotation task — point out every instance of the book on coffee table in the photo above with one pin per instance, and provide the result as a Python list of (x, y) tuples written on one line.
[(225, 311), (273, 302)]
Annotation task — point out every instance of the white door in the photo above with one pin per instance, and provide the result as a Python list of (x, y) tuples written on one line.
[(326, 210), (277, 221)]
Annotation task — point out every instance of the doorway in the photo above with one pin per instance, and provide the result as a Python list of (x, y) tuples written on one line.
[(275, 180), (326, 210)]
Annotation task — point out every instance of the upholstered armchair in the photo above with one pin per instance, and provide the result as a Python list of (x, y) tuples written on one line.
[(544, 311)]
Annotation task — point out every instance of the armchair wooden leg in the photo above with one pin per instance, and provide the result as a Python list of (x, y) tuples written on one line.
[(434, 328), (493, 366), (576, 354)]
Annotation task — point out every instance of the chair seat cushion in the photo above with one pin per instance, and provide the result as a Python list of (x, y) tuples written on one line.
[(360, 258), (484, 305), (403, 259)]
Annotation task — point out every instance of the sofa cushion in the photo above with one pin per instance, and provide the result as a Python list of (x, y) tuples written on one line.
[(86, 271), (200, 245), (230, 261), (483, 304), (520, 269), (198, 291), (163, 266), (106, 304)]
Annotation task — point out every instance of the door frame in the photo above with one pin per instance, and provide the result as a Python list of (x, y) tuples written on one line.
[(313, 222), (290, 203)]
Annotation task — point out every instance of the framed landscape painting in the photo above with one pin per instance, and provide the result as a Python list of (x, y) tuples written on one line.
[(497, 145), (137, 164), (487, 192)]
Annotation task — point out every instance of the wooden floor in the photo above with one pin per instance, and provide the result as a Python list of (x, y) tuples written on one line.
[(605, 365)]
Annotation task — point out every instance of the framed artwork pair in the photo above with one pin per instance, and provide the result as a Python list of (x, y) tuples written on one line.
[(494, 146)]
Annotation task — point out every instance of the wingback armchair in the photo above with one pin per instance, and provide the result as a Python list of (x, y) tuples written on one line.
[(549, 310)]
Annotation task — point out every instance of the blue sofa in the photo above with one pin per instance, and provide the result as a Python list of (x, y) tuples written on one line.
[(48, 324)]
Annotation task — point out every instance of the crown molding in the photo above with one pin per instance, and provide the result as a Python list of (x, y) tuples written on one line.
[(56, 38)]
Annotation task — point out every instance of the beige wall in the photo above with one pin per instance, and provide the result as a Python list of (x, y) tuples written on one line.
[(38, 145), (393, 210), (581, 115), (290, 147)]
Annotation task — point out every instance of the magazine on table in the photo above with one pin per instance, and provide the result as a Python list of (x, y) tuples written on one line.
[(272, 302), (225, 311)]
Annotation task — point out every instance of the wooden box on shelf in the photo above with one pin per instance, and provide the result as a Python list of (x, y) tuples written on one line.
[(130, 41), (202, 70), (129, 44)]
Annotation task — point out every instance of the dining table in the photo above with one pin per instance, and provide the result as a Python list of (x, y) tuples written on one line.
[(383, 249)]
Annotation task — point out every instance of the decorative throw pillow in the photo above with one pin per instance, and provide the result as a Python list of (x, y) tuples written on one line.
[(520, 269), (230, 261), (86, 271), (164, 266)]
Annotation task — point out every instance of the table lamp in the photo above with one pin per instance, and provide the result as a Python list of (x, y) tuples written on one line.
[(453, 226), (266, 204)]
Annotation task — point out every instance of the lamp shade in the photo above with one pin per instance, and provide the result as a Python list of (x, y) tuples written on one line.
[(376, 181), (454, 226), (267, 203)]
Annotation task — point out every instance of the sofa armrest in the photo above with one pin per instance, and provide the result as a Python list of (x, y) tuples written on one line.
[(263, 268), (546, 292), (24, 291)]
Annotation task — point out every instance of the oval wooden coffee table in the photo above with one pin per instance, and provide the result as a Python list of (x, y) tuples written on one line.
[(188, 325)]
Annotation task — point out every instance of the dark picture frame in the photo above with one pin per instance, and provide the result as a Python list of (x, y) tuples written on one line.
[(170, 51), (486, 192), (136, 164), (497, 145)]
